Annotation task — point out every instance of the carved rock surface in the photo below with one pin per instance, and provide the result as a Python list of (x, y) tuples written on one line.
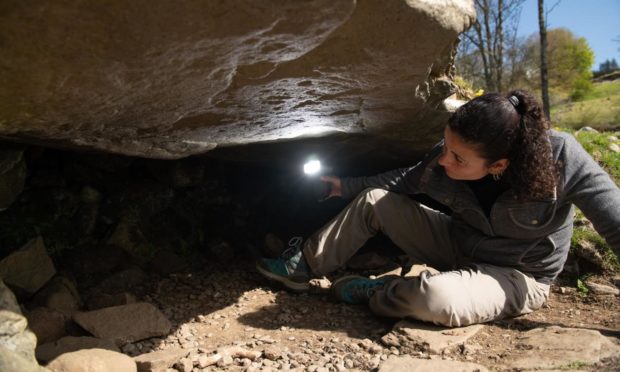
[(172, 79)]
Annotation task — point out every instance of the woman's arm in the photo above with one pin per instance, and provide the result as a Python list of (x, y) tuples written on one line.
[(403, 180), (591, 189)]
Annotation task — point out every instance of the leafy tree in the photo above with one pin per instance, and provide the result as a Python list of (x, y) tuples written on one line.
[(607, 66), (570, 61)]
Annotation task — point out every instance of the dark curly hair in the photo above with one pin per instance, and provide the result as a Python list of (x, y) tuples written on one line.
[(511, 126)]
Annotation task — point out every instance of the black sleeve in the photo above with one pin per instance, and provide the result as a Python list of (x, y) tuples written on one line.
[(403, 180)]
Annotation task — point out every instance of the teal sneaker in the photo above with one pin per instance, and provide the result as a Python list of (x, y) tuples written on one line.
[(290, 269), (355, 289)]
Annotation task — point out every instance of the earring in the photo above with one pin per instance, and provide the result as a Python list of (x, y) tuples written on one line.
[(497, 176)]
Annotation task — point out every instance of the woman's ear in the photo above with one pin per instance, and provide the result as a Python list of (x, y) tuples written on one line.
[(499, 166)]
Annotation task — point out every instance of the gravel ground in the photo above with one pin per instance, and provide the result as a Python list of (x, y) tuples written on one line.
[(232, 319)]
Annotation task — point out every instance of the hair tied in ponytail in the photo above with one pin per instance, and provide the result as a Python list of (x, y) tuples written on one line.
[(514, 100)]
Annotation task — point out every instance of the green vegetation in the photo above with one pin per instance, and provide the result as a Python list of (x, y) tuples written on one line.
[(597, 145), (599, 108), (576, 364), (581, 287), (584, 236)]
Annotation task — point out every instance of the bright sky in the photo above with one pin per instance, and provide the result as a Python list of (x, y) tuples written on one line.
[(598, 21)]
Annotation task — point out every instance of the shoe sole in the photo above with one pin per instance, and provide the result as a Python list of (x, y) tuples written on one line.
[(289, 284)]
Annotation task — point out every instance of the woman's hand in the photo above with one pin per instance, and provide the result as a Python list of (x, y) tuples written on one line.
[(335, 188)]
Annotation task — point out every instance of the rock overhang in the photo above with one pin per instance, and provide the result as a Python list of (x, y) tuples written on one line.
[(170, 80)]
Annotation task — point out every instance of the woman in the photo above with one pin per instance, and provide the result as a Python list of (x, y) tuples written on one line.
[(510, 182)]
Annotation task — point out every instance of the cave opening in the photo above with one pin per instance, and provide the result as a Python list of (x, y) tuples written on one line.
[(180, 236)]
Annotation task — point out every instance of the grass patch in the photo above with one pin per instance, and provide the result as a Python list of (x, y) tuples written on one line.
[(597, 145), (599, 109), (576, 364)]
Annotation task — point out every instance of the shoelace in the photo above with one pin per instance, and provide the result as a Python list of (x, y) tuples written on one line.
[(294, 246)]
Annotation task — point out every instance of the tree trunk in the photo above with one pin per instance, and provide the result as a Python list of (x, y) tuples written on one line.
[(544, 79), (500, 46)]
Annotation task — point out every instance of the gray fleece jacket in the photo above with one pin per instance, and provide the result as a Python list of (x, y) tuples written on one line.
[(532, 236)]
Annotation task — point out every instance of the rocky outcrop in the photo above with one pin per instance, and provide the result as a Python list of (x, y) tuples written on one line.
[(168, 80)]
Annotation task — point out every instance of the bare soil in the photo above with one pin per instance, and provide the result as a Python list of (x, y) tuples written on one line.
[(226, 305)]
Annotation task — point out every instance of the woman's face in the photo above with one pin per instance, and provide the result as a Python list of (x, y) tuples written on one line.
[(461, 160)]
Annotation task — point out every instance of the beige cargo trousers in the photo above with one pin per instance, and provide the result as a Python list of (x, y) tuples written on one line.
[(457, 296)]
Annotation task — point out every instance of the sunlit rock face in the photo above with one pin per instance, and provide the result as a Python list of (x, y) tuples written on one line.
[(169, 79)]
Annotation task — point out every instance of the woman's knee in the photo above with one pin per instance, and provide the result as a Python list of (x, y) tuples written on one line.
[(424, 298), (383, 201), (439, 302), (372, 194)]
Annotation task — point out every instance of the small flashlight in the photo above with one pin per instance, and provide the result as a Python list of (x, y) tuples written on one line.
[(312, 167), (320, 189)]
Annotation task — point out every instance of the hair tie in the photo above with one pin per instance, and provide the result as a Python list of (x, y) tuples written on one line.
[(514, 100)]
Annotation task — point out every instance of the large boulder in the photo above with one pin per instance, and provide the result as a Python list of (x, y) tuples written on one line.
[(172, 79)]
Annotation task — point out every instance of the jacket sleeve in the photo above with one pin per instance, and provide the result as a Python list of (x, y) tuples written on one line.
[(593, 191), (403, 180)]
